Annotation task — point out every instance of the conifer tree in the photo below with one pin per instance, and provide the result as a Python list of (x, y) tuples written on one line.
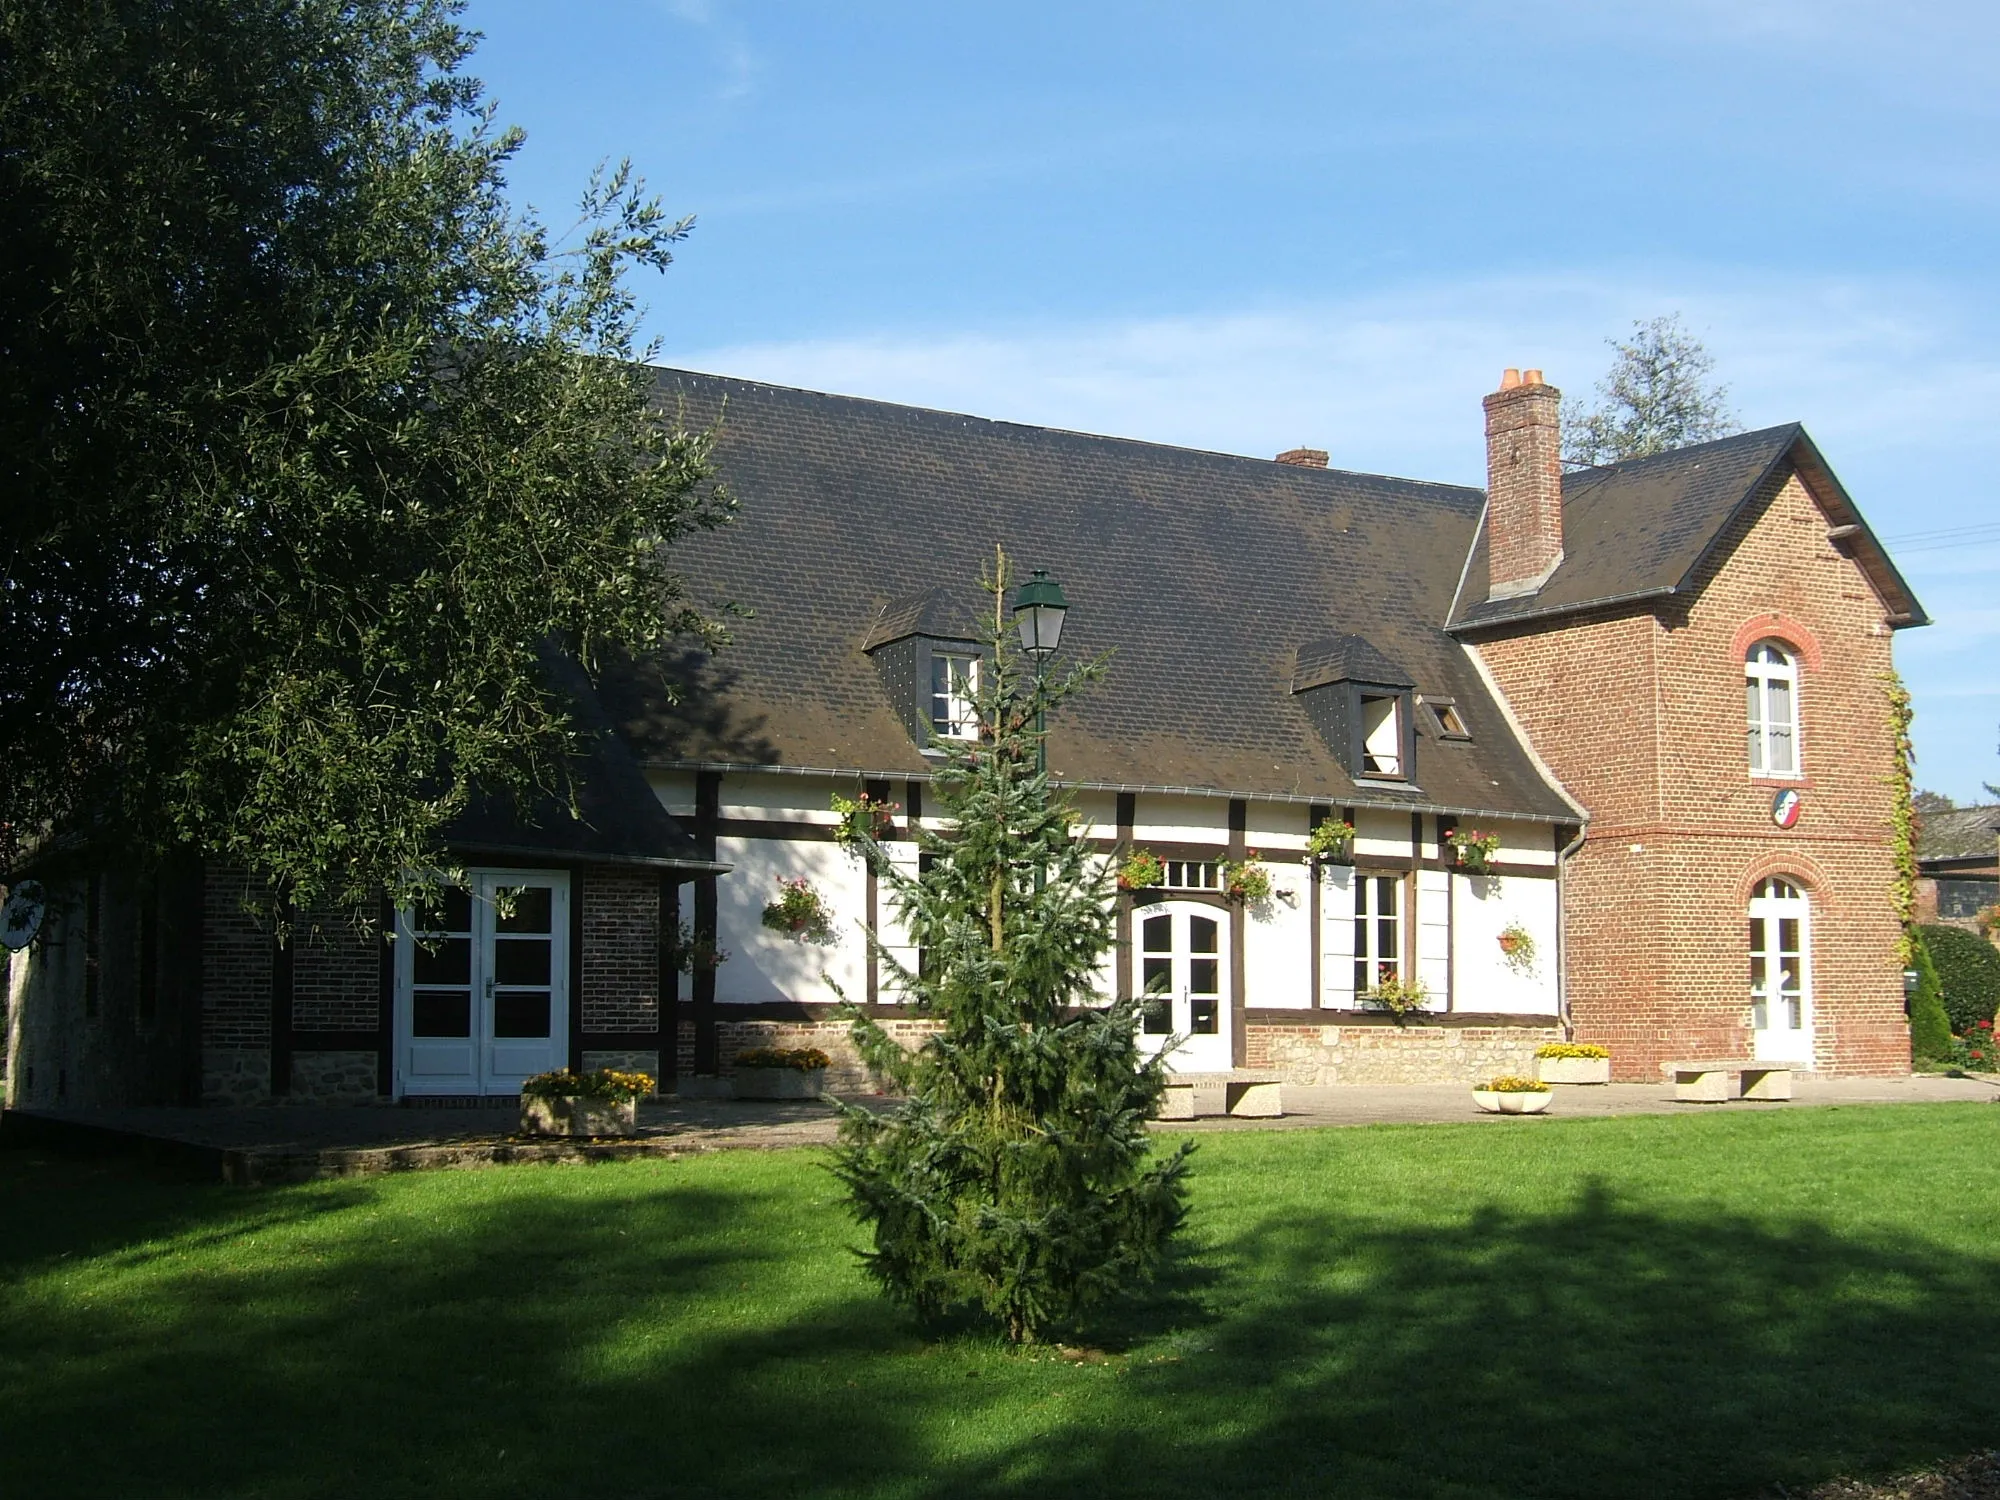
[(1016, 1180)]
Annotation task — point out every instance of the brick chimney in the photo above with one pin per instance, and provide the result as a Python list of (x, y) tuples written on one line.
[(1524, 524), (1304, 458)]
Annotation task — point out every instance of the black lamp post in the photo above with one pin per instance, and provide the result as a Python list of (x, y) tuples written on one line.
[(1039, 608)]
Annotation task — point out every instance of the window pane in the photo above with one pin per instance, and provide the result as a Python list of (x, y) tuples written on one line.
[(1204, 977), (1201, 935), (528, 910), (521, 1014), (453, 913), (441, 1013), (523, 961), (1381, 737), (1159, 975), (1157, 935), (1157, 1016), (1202, 1017), (1788, 936), (446, 961), (1385, 937)]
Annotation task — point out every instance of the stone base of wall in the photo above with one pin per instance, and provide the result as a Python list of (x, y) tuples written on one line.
[(334, 1078), (848, 1074), (1396, 1054), (624, 1062), (235, 1075)]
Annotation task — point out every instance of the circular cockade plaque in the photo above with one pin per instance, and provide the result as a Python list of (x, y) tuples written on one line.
[(1785, 807)]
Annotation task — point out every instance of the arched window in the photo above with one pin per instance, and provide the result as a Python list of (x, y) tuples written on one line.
[(1771, 690)]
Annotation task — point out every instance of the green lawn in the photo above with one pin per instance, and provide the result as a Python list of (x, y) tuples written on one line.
[(1649, 1306)]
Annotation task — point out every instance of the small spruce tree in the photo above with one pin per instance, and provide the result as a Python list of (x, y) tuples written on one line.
[(1016, 1180), (1930, 1027)]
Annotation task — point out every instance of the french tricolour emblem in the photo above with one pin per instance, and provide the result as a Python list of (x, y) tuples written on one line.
[(1785, 807)]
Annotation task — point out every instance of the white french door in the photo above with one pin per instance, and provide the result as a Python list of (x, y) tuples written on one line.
[(1181, 950), (482, 985), (1780, 973)]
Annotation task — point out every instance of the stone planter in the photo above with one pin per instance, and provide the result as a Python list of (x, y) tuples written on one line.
[(1510, 1104), (570, 1115), (779, 1083), (1573, 1069)]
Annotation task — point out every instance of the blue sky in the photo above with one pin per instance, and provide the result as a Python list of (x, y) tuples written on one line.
[(1248, 227)]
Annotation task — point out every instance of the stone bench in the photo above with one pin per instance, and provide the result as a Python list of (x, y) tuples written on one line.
[(1718, 1082), (1239, 1092)]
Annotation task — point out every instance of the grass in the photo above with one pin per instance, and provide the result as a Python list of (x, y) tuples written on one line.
[(1683, 1306)]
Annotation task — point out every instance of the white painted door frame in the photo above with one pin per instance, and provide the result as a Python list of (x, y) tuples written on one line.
[(1781, 1018), (1183, 947)]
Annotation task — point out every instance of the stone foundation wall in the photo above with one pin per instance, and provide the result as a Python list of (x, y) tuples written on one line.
[(235, 1075), (334, 1078), (624, 1062), (1396, 1054)]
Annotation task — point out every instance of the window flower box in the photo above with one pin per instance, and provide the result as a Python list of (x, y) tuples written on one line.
[(1331, 842), (1474, 849), (780, 1073)]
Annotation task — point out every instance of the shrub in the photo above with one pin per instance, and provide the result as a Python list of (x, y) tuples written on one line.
[(1508, 1083), (1930, 1027), (1968, 970), (1572, 1049), (797, 1059), (599, 1083), (1974, 1052)]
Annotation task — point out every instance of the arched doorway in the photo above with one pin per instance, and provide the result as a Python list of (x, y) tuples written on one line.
[(1780, 972)]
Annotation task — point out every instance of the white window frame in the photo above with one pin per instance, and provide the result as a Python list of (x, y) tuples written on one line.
[(955, 704), (1771, 673), (1371, 927), (1191, 875)]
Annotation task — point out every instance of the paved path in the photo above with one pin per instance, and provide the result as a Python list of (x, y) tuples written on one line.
[(294, 1142)]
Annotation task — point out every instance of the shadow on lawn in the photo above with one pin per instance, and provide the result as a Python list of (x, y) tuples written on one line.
[(626, 1345)]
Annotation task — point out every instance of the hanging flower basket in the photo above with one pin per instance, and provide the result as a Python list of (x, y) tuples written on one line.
[(799, 912), (1474, 848), (1331, 842), (1517, 948), (1141, 870), (863, 819), (1245, 881)]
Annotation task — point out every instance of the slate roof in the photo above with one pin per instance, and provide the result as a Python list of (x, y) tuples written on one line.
[(1962, 834), (620, 819), (1649, 528), (1203, 573)]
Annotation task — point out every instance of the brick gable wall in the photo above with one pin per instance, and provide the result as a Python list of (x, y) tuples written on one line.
[(1642, 716)]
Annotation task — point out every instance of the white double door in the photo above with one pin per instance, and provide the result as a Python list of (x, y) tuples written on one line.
[(482, 985), (1183, 984), (1780, 973)]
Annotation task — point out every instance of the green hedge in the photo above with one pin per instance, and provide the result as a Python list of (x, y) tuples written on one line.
[(1968, 974)]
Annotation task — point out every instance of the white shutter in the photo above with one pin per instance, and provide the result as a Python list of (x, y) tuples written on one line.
[(1336, 937), (1433, 916)]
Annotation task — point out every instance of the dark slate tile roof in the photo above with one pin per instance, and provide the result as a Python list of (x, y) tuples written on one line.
[(1345, 658), (1203, 573), (618, 819), (1961, 833), (1648, 527)]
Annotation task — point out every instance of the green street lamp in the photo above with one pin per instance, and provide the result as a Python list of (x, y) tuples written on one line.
[(1039, 608)]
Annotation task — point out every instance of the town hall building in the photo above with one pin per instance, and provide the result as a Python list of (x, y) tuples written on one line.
[(1602, 755)]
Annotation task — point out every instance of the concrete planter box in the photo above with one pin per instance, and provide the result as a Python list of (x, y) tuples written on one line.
[(1510, 1104), (573, 1116), (779, 1083), (1573, 1069)]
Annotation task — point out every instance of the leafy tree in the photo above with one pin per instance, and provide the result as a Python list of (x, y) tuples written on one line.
[(1925, 802), (1016, 1179), (1657, 396), (1930, 1027), (1968, 970), (311, 445)]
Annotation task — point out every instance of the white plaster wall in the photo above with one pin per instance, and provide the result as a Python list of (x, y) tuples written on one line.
[(765, 965), (1482, 980), (1181, 820), (792, 799), (675, 789), (1100, 814), (1278, 830), (1521, 843), (1336, 934), (1277, 941), (1381, 833)]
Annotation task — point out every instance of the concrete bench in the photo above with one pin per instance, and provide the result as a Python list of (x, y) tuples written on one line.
[(1239, 1092), (1718, 1082)]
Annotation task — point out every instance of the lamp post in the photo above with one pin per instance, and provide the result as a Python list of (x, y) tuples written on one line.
[(1039, 608)]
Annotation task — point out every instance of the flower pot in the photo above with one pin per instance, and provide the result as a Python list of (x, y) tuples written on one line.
[(571, 1115), (779, 1083), (1573, 1069), (1508, 943), (1510, 1104)]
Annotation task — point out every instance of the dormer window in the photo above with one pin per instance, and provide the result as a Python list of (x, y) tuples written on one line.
[(1381, 735), (955, 695), (1445, 718)]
